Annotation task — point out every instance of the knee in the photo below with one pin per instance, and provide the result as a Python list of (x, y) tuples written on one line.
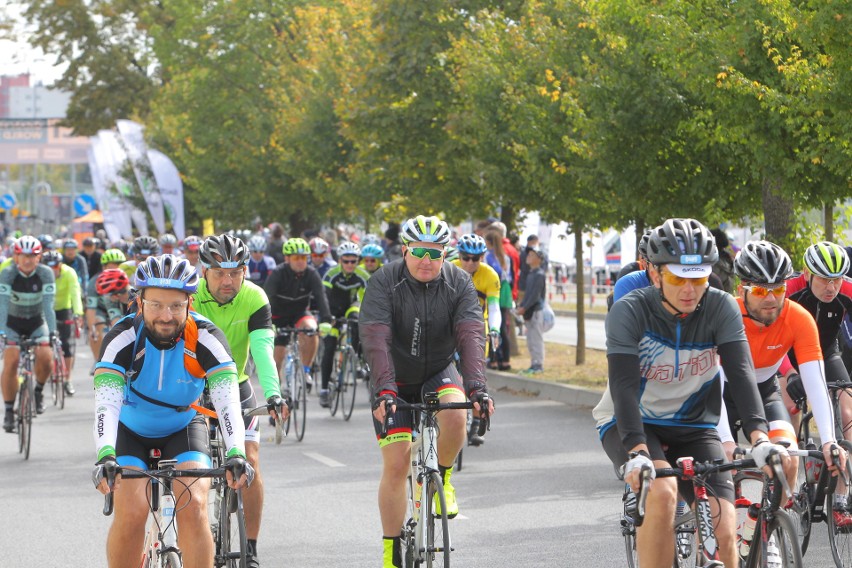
[(452, 420), (395, 466), (663, 496)]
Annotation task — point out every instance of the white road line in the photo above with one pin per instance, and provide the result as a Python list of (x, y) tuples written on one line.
[(528, 403), (323, 459)]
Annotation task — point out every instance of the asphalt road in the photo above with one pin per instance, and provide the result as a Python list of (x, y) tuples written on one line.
[(540, 492)]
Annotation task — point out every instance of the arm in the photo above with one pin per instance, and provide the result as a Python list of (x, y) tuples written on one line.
[(318, 291), (374, 329), (624, 379), (76, 298), (5, 297), (225, 395), (739, 370), (48, 298), (470, 339), (261, 343), (109, 392), (495, 318)]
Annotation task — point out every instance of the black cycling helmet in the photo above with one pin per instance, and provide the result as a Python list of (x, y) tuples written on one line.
[(643, 243), (682, 241), (232, 252), (762, 262), (146, 245)]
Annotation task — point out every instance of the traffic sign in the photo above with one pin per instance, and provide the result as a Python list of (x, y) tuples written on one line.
[(84, 203), (8, 201)]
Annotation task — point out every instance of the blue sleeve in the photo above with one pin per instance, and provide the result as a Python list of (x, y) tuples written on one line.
[(628, 283)]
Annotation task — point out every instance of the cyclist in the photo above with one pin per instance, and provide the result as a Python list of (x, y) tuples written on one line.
[(259, 265), (98, 316), (638, 278), (47, 242), (75, 261), (143, 247), (372, 257), (320, 258), (663, 398), (168, 243), (774, 325), (191, 248), (344, 287), (240, 309), (92, 255), (153, 366), (290, 288), (27, 293), (68, 306), (115, 297), (415, 316)]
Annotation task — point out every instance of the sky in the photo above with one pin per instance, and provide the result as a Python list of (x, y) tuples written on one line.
[(19, 57)]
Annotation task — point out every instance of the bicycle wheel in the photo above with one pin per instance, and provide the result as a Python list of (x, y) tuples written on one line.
[(58, 380), (300, 402), (629, 534), (335, 385), (26, 411), (685, 541), (231, 544), (350, 386), (782, 548), (840, 538), (437, 543)]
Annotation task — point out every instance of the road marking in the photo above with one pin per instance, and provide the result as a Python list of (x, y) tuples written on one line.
[(528, 404), (323, 459)]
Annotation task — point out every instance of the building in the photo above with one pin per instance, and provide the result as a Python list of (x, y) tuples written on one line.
[(19, 99), (6, 83)]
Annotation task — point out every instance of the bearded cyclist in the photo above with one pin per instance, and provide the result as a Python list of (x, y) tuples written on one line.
[(153, 367), (416, 314)]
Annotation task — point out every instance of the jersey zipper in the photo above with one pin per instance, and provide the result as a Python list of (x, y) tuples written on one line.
[(162, 361), (677, 351)]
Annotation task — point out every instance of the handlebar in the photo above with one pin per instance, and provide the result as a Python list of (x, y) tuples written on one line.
[(432, 405), (293, 330)]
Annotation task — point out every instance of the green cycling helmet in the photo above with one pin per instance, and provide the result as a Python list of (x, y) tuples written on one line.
[(112, 255), (827, 259), (296, 246)]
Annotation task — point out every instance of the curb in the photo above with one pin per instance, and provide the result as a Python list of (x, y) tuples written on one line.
[(570, 314), (533, 388)]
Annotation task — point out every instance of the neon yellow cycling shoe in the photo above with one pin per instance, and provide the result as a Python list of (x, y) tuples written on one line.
[(450, 497)]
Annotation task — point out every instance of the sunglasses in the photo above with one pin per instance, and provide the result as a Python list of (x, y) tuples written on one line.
[(298, 257), (763, 291), (468, 258), (423, 252), (674, 280), (348, 262)]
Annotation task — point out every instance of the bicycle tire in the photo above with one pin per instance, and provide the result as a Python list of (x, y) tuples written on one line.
[(685, 552), (630, 546), (25, 417), (437, 537), (231, 545), (336, 383), (59, 383), (406, 538), (300, 402), (350, 385), (840, 539), (785, 536)]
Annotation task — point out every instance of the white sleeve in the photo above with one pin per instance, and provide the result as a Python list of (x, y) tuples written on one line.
[(723, 428), (109, 393), (225, 396), (813, 378)]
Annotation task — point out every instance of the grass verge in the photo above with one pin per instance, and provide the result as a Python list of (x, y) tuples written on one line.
[(560, 365)]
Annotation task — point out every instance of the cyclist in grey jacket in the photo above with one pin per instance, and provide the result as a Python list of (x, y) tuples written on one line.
[(416, 314)]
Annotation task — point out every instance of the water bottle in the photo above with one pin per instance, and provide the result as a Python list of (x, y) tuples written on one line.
[(288, 369), (167, 513), (813, 467), (748, 529), (418, 492)]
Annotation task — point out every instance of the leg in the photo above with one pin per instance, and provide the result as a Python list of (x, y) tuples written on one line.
[(655, 538), (278, 354), (725, 527), (535, 341), (308, 345), (452, 425), (253, 495), (127, 533), (194, 537), (396, 460), (10, 373), (43, 363)]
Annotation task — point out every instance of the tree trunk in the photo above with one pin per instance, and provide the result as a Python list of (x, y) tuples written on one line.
[(777, 212), (829, 222), (298, 225), (508, 218), (581, 308)]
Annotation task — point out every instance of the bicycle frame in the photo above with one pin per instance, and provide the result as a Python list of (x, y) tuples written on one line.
[(424, 453)]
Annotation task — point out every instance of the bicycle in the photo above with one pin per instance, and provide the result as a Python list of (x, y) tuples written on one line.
[(59, 376), (774, 538), (421, 546), (347, 369), (473, 423), (160, 549), (814, 502), (26, 409), (295, 390)]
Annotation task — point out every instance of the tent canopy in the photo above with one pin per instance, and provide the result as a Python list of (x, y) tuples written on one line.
[(93, 216)]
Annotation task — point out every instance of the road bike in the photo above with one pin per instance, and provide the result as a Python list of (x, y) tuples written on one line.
[(425, 534), (473, 439), (815, 500), (294, 381), (26, 408), (59, 375), (774, 542), (161, 549), (347, 369)]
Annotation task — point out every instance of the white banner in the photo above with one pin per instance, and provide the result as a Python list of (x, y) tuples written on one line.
[(171, 189), (113, 233), (136, 149), (117, 161), (115, 210)]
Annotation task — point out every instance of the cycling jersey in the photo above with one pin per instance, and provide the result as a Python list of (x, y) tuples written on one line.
[(828, 315), (129, 268), (26, 302), (342, 289), (259, 270), (326, 265), (421, 326), (135, 380), (794, 329), (290, 294), (487, 284), (68, 295), (630, 282), (246, 322), (664, 369), (105, 308), (80, 267)]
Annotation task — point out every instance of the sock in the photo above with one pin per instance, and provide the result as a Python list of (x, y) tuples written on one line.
[(392, 552), (10, 404), (39, 387), (251, 546), (445, 473), (307, 369)]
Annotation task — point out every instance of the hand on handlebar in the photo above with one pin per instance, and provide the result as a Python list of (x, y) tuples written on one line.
[(106, 475), (762, 452), (278, 408), (239, 469), (384, 406), (494, 335), (633, 470), (835, 459)]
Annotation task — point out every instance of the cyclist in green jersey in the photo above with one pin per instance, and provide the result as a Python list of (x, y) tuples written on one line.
[(68, 305), (241, 310)]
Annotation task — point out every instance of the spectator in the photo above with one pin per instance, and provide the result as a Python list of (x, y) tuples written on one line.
[(276, 243), (497, 259), (393, 248), (724, 268), (532, 242), (531, 309)]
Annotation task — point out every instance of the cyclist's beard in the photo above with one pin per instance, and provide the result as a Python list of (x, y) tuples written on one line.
[(163, 332)]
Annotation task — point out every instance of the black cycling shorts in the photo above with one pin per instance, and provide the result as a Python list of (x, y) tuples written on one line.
[(66, 331), (773, 406), (668, 443), (401, 422), (284, 340), (247, 401), (190, 444)]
